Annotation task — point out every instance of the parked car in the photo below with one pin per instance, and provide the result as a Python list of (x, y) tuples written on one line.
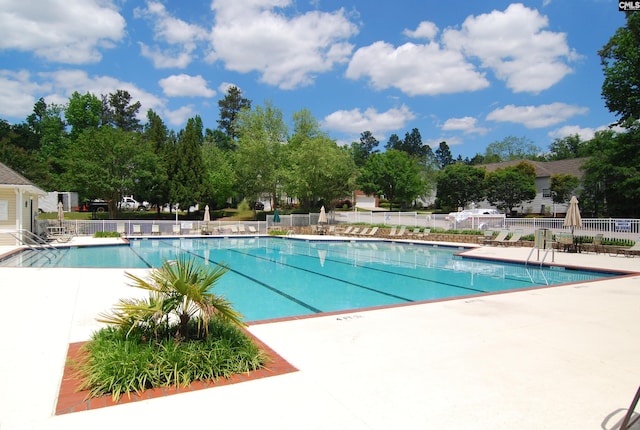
[(128, 203), (259, 206)]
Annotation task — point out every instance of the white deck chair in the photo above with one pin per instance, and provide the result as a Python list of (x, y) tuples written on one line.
[(401, 232), (155, 229), (347, 230), (121, 229), (137, 229), (241, 229), (515, 237), (500, 237), (175, 228), (393, 231), (252, 229), (364, 231), (373, 231)]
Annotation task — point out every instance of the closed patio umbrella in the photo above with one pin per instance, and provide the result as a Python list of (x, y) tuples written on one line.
[(573, 218), (322, 219), (207, 215), (60, 213), (276, 216)]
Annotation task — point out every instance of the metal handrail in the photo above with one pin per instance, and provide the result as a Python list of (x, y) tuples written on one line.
[(34, 243), (626, 422)]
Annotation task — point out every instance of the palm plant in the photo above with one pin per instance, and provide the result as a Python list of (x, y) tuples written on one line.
[(179, 292)]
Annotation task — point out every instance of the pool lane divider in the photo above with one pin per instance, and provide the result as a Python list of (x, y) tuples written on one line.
[(310, 307), (257, 281), (144, 260), (377, 270), (364, 287)]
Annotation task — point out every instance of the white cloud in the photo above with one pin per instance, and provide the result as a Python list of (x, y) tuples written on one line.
[(585, 133), (451, 141), (516, 46), (179, 116), (426, 30), (224, 87), (17, 93), (63, 31), (356, 121), (466, 124), (186, 86), (536, 116), (63, 83), (167, 58), (180, 36), (415, 69), (249, 35)]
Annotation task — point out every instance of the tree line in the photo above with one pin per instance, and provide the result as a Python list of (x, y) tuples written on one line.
[(98, 147)]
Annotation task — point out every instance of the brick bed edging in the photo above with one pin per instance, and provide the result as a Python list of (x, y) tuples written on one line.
[(70, 399)]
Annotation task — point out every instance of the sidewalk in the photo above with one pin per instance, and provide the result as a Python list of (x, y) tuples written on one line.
[(551, 358)]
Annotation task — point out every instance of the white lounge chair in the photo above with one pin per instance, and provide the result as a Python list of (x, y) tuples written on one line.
[(347, 230), (515, 237), (500, 238), (137, 229), (155, 229), (373, 231), (175, 228)]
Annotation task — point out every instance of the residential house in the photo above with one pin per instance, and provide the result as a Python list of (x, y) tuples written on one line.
[(543, 204), (18, 204)]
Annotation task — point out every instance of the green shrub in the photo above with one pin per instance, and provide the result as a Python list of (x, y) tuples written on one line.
[(117, 364), (180, 333), (106, 234), (277, 232), (243, 206)]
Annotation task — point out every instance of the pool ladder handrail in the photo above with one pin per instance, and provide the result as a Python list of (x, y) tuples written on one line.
[(34, 243), (546, 252), (626, 422)]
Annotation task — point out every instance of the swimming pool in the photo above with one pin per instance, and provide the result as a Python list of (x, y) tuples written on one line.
[(278, 277)]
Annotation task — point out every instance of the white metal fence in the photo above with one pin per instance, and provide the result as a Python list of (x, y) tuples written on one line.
[(144, 227), (609, 227)]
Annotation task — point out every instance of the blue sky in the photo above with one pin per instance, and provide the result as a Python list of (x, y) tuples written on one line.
[(467, 72)]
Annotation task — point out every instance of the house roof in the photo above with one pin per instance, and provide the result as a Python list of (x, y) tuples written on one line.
[(545, 168), (9, 178)]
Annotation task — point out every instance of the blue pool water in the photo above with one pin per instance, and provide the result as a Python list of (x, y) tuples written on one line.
[(276, 277)]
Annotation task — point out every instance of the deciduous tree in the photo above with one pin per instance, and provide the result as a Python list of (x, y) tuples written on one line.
[(509, 187), (620, 59), (259, 159), (459, 185), (393, 174)]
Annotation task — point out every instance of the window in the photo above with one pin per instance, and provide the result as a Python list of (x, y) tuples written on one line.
[(546, 192)]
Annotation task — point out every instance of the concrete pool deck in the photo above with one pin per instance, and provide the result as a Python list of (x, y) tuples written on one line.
[(563, 357)]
